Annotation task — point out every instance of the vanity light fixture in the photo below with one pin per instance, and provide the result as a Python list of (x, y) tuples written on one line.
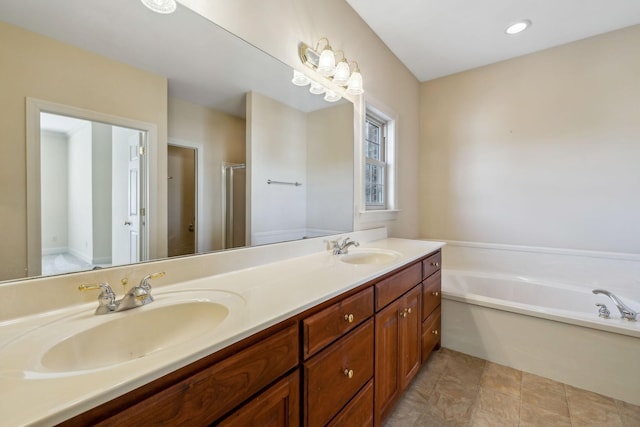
[(344, 73), (161, 6), (518, 27)]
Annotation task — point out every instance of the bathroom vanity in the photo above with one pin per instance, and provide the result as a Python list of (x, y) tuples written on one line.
[(323, 340)]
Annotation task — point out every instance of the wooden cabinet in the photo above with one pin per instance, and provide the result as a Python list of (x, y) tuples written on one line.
[(278, 406), (338, 348), (431, 298), (397, 353), (344, 362), (209, 394)]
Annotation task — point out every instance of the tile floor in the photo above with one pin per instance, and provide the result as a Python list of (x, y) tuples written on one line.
[(454, 389)]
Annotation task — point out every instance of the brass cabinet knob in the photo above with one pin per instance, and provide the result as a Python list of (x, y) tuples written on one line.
[(434, 332), (349, 318), (348, 373), (436, 264), (435, 293), (408, 310)]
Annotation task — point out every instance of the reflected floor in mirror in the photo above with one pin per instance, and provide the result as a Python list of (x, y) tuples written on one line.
[(66, 263), (454, 389)]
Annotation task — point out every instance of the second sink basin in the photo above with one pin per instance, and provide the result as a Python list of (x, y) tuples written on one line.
[(134, 335), (370, 256)]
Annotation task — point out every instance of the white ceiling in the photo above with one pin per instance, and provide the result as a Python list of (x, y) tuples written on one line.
[(435, 38)]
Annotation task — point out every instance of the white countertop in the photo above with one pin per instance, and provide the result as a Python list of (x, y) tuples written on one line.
[(257, 298)]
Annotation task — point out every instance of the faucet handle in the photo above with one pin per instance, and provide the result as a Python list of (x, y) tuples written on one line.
[(603, 311), (106, 299), (144, 283)]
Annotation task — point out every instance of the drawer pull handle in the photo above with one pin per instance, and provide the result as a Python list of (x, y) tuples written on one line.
[(348, 373), (434, 332), (349, 318), (436, 264), (404, 313), (435, 293)]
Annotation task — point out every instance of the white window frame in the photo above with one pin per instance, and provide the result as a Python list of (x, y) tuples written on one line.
[(390, 210), (381, 162)]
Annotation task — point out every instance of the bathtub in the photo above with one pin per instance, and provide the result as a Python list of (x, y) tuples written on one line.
[(543, 327)]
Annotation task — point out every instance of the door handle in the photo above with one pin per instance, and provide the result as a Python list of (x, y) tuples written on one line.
[(191, 228), (128, 223)]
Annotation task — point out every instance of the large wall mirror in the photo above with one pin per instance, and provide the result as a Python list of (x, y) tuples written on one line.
[(130, 136)]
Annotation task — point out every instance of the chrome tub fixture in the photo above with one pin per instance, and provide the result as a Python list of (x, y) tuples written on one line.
[(625, 312)]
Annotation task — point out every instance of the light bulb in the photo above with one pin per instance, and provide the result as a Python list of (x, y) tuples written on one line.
[(341, 77), (327, 63), (355, 84), (161, 6), (331, 96), (316, 88), (299, 79)]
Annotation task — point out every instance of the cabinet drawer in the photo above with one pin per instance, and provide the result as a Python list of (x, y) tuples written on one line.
[(334, 376), (331, 323), (359, 412), (431, 264), (392, 287), (431, 294), (209, 394), (430, 334)]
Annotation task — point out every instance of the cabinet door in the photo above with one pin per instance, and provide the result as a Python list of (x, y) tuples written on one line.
[(410, 336), (278, 406), (398, 328), (387, 376)]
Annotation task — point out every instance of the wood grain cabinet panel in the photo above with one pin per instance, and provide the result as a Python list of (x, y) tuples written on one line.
[(206, 396), (397, 358), (394, 286), (278, 406), (359, 412), (431, 264), (335, 375), (431, 294), (336, 320), (430, 334)]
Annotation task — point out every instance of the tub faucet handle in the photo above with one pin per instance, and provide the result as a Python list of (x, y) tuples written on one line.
[(603, 311)]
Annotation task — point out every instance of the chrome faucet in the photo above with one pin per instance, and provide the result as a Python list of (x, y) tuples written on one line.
[(137, 296), (342, 247), (625, 311)]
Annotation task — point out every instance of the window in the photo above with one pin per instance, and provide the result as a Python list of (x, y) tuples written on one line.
[(375, 167)]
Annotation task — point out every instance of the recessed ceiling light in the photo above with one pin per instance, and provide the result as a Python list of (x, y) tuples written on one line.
[(160, 6), (518, 27)]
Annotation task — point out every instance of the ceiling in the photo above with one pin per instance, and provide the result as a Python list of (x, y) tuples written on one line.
[(203, 63), (435, 38)]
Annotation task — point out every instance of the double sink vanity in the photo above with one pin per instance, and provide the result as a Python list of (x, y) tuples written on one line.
[(317, 339)]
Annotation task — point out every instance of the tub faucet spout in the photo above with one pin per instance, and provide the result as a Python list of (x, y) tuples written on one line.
[(625, 311)]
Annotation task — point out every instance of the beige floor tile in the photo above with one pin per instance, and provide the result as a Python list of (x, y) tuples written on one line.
[(502, 379), (501, 405), (629, 413), (590, 409), (488, 419), (531, 382), (538, 400), (454, 408), (407, 411), (532, 416)]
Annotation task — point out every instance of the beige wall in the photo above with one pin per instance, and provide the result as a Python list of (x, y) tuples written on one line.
[(278, 26), (541, 150), (223, 139), (38, 67)]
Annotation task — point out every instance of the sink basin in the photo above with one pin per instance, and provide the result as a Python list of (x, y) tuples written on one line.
[(177, 323), (134, 335), (370, 256)]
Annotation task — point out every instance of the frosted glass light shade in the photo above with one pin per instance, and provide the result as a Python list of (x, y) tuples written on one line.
[(316, 88), (355, 86), (299, 79), (331, 96), (160, 6), (327, 63), (341, 77)]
